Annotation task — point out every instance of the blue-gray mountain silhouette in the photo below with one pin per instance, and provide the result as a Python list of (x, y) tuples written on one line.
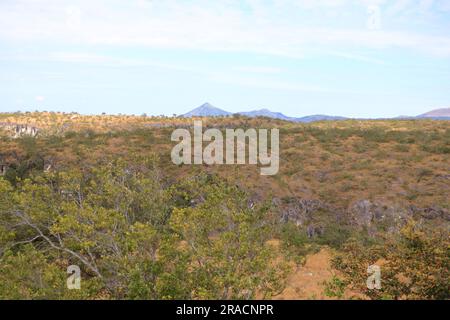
[(319, 117), (266, 113), (208, 110), (439, 114)]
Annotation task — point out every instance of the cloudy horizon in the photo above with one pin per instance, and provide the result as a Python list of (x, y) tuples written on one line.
[(340, 57)]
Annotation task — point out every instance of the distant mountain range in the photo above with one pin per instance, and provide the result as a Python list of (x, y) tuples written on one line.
[(266, 113), (279, 115), (208, 110), (443, 113)]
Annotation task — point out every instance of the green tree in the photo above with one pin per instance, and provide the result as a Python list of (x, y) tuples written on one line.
[(104, 220), (132, 237), (27, 274), (225, 239), (415, 266)]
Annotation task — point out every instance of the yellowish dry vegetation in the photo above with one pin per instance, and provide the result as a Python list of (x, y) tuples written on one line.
[(344, 170)]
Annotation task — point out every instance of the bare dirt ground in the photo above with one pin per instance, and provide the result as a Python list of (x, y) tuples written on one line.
[(307, 281)]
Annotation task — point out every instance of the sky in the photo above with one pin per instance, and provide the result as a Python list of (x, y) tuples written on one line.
[(366, 58)]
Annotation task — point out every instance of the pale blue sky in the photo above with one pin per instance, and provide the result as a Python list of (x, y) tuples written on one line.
[(366, 58)]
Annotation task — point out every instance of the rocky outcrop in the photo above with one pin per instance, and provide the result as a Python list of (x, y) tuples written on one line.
[(430, 213), (19, 130), (375, 215), (299, 211)]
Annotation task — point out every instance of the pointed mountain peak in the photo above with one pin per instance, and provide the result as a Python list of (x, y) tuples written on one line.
[(207, 105), (207, 110)]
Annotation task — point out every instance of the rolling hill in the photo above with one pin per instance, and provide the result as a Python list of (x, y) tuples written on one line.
[(208, 110), (442, 114)]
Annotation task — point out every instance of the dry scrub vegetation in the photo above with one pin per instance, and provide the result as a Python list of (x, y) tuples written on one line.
[(101, 192)]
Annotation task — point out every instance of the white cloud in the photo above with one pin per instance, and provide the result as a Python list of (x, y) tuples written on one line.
[(200, 25), (269, 84), (356, 57), (257, 69), (111, 61)]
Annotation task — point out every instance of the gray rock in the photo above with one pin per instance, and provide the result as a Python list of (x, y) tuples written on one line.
[(19, 130)]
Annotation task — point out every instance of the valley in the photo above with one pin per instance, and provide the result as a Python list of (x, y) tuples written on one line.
[(348, 193)]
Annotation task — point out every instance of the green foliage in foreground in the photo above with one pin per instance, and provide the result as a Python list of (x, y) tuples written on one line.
[(133, 237), (415, 266), (137, 236)]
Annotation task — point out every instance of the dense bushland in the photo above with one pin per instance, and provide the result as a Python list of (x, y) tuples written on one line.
[(101, 192), (133, 237)]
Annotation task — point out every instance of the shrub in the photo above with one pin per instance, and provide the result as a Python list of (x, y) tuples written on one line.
[(414, 266)]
